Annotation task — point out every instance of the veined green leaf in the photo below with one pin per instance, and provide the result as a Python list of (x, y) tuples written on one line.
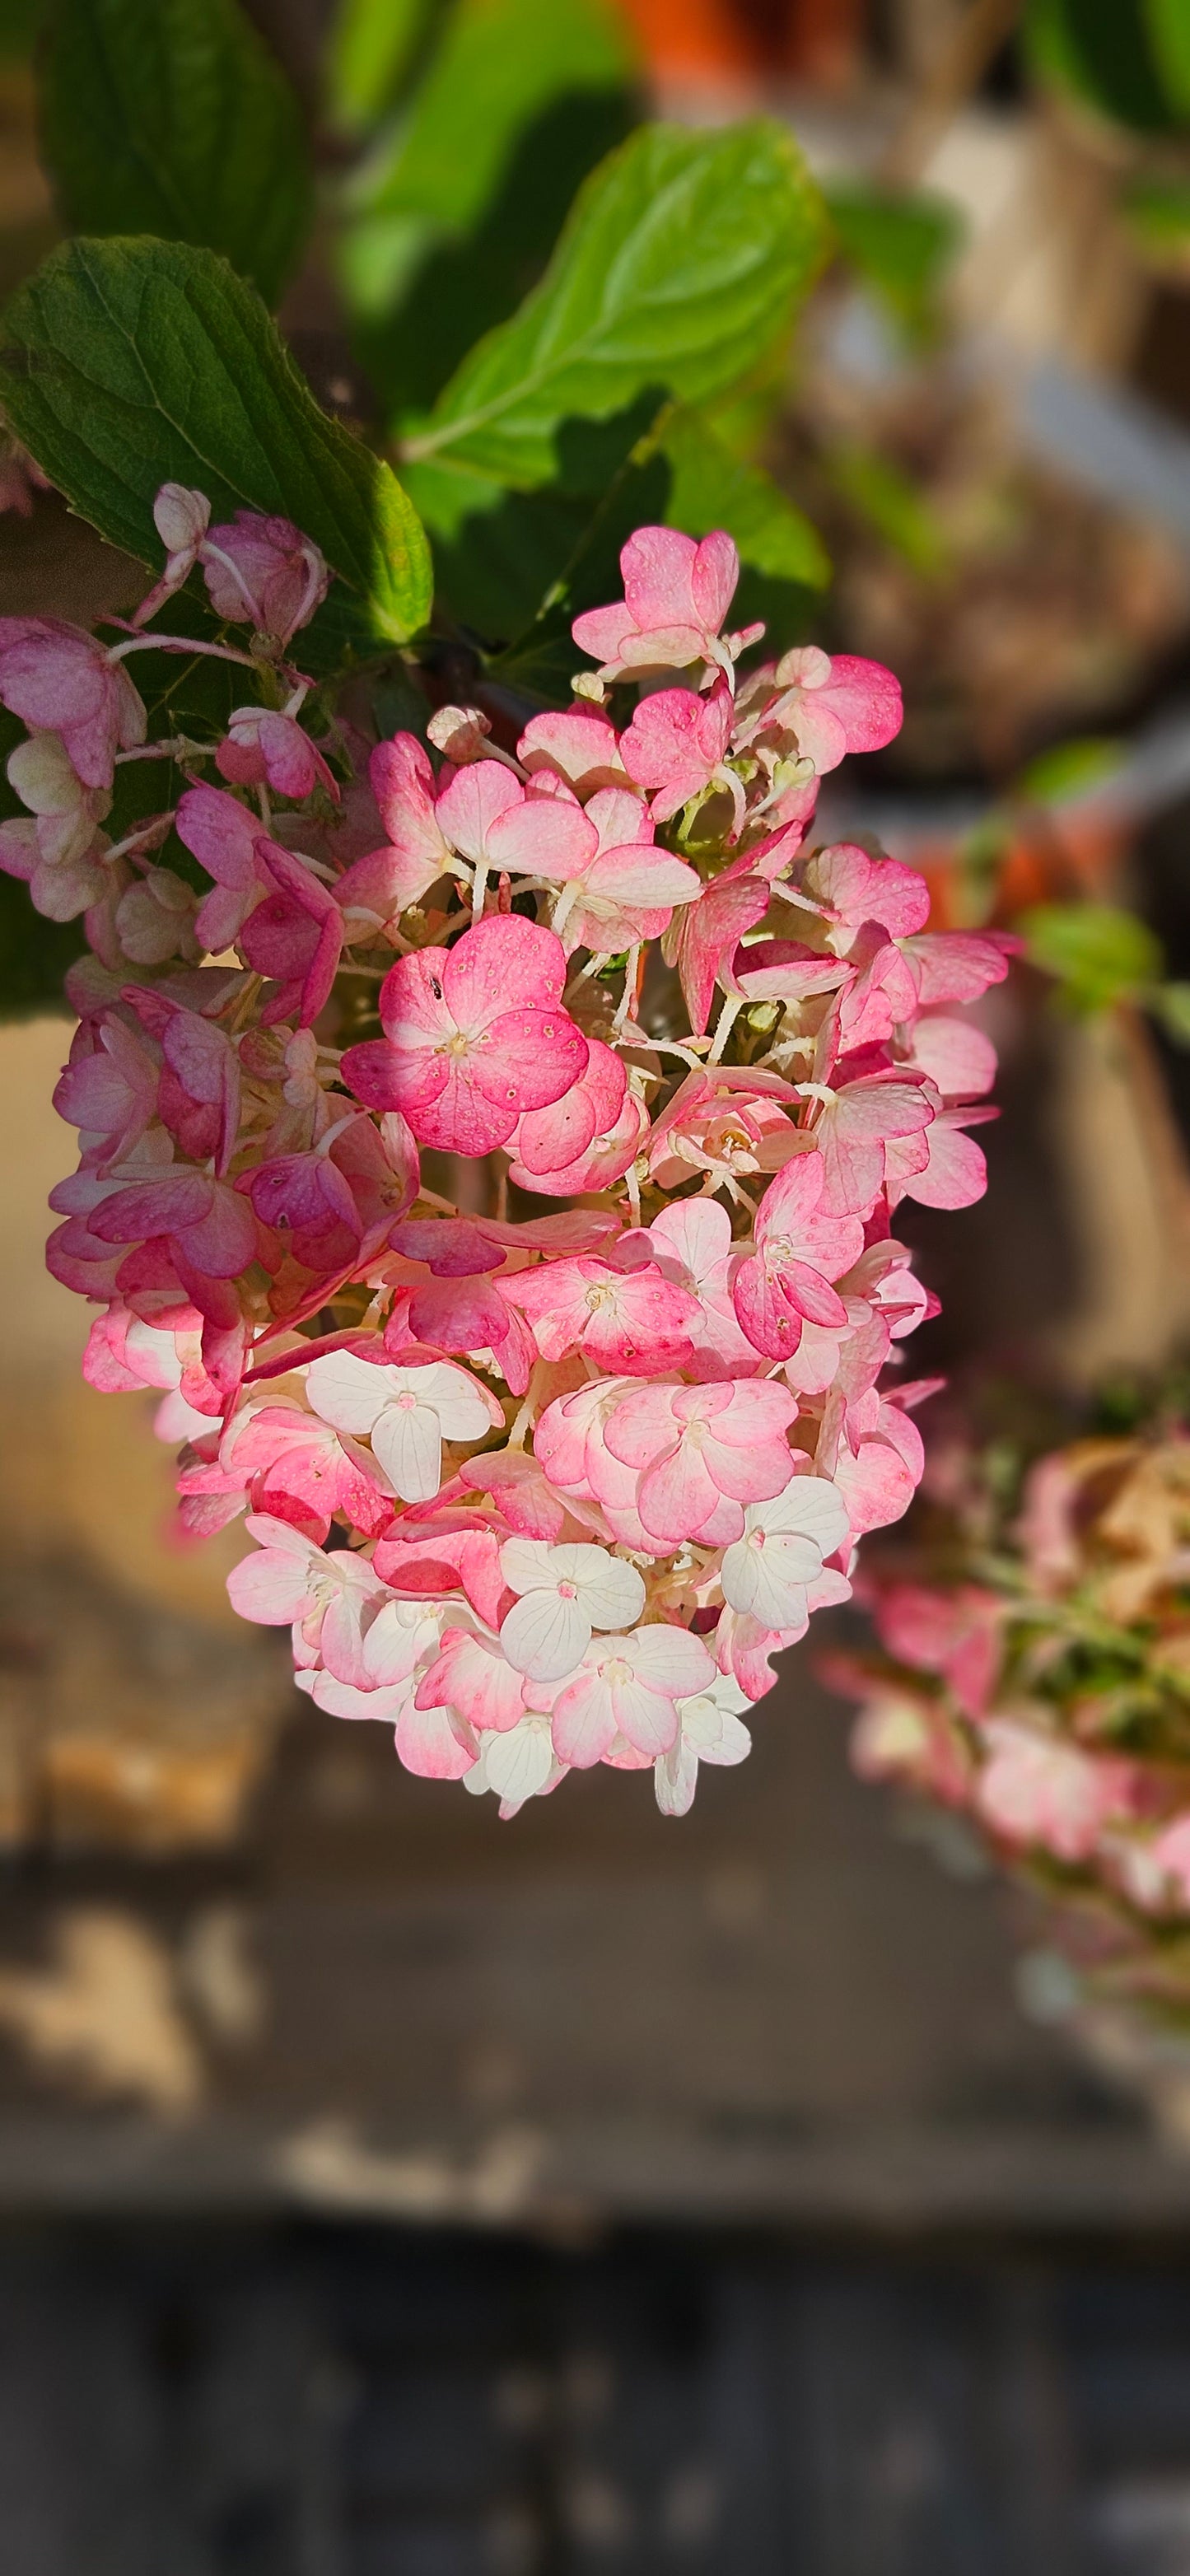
[(682, 257), (172, 117), (499, 63), (454, 214), (127, 364)]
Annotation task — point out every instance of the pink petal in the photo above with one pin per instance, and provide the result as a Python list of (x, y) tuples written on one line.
[(435, 1744), (476, 796), (547, 1139), (542, 838), (500, 965)]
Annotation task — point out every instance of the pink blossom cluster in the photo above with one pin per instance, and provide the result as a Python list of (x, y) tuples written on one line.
[(491, 1145), (1034, 1672)]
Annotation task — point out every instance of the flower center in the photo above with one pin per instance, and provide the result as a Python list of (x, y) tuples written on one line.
[(568, 1591), (407, 1401), (457, 1045)]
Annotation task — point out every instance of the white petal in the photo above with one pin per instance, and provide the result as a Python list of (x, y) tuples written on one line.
[(400, 1634), (645, 1716), (517, 1765), (701, 1721), (810, 1507), (346, 1391), (734, 1745), (672, 1660), (341, 1699), (612, 1593), (460, 1404), (757, 1581), (527, 1565), (408, 1443), (545, 1635), (675, 1778)]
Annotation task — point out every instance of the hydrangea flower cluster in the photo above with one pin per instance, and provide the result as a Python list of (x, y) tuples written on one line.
[(491, 1144), (1038, 1680)]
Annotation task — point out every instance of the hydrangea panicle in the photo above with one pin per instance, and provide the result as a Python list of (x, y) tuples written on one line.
[(594, 1464)]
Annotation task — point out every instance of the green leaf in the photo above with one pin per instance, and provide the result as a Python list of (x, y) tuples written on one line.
[(372, 45), (1169, 36), (452, 218), (172, 117), (902, 246), (1170, 1005), (1127, 59), (34, 953), (127, 364), (1070, 769), (500, 62), (1158, 214), (496, 552), (681, 261), (880, 493), (680, 475), (1098, 954), (711, 488)]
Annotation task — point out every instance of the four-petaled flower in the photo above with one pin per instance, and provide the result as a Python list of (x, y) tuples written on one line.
[(406, 1413), (474, 1035), (563, 1593), (785, 1542)]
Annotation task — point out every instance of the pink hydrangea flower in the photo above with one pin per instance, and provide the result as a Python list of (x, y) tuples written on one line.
[(625, 888), (577, 744), (263, 571), (379, 886), (262, 749), (800, 1251), (838, 703), (637, 1321), (60, 680), (767, 1572), (701, 1453), (676, 596), (599, 1467), (1036, 1789), (675, 747), (406, 1413), (209, 1233), (474, 1035), (221, 834), (629, 1687), (295, 937), (729, 1119)]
